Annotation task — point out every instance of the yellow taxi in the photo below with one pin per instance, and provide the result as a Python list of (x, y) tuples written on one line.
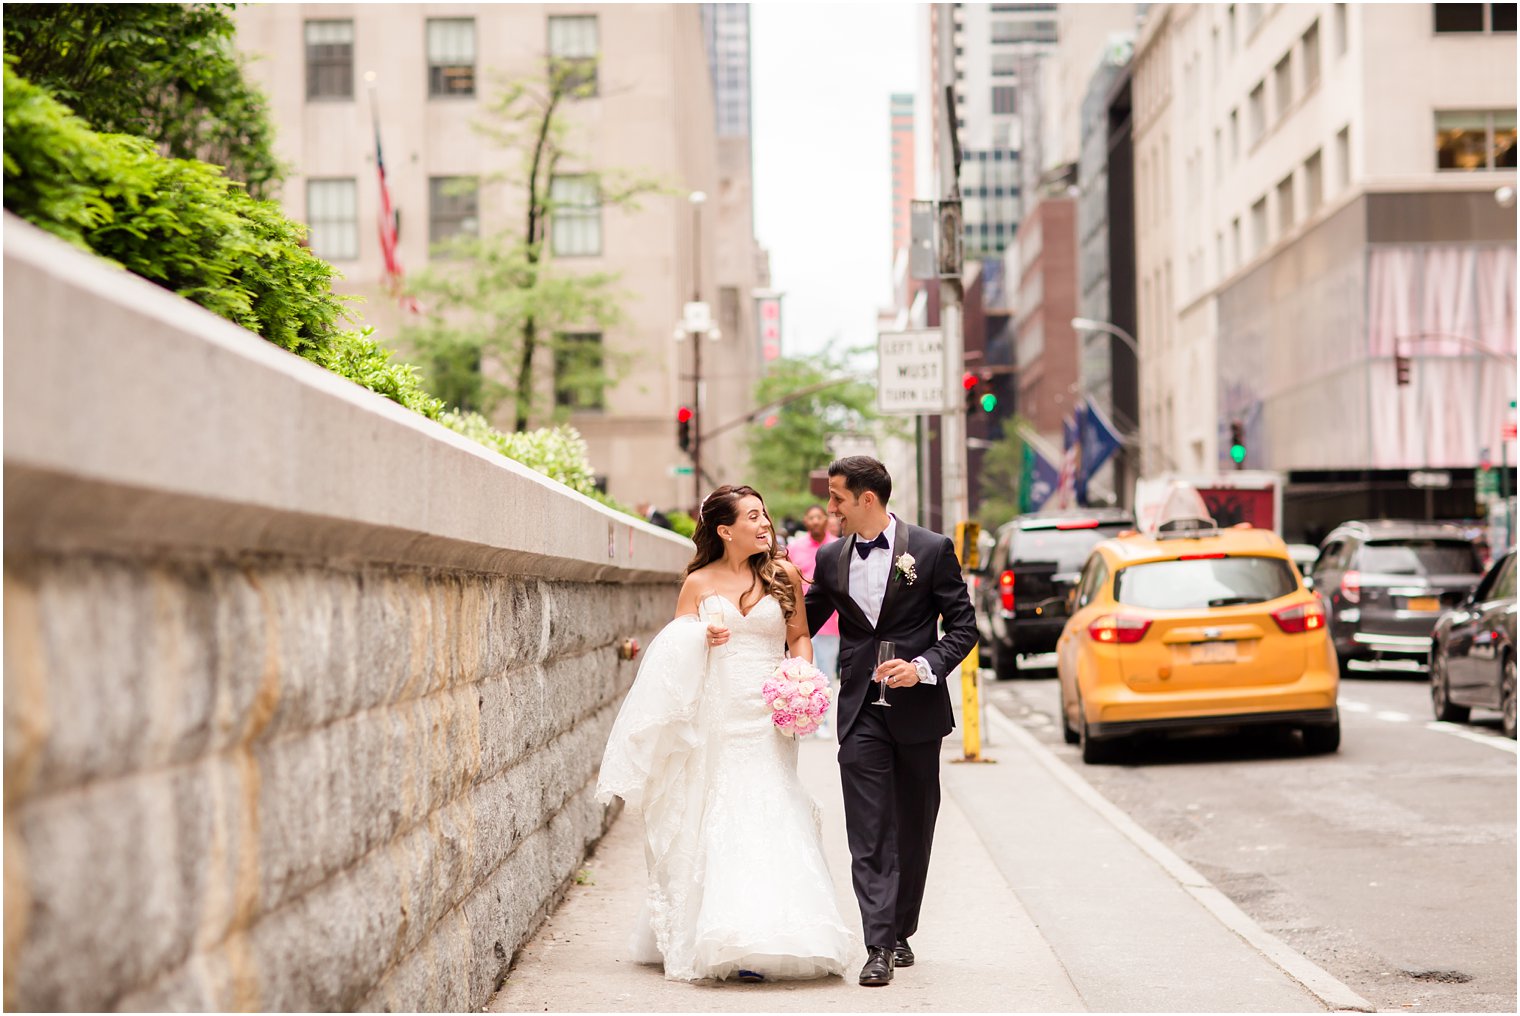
[(1191, 626)]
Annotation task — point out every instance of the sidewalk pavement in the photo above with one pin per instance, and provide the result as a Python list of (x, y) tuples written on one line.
[(1042, 897)]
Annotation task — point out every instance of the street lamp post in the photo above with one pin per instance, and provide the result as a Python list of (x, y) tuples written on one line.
[(696, 323)]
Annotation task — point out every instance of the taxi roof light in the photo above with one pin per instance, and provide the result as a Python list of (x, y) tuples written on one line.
[(1183, 514)]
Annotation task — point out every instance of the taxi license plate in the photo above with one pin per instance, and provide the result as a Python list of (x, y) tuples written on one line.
[(1429, 604), (1214, 652)]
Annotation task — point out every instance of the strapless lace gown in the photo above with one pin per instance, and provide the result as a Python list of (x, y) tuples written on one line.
[(733, 842)]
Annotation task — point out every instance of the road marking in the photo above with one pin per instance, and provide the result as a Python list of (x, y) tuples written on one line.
[(1316, 979), (1502, 743), (1354, 707), (1391, 716)]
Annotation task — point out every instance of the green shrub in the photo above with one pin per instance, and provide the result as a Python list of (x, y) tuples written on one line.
[(682, 523), (181, 224)]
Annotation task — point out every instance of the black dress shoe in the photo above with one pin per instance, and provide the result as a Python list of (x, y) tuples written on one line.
[(877, 973), (902, 954)]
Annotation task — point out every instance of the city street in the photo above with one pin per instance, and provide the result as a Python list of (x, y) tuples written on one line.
[(1390, 863)]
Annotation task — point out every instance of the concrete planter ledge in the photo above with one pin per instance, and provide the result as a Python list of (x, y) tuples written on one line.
[(134, 418)]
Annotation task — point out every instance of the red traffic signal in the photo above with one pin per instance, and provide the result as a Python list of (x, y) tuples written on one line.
[(684, 414), (969, 380)]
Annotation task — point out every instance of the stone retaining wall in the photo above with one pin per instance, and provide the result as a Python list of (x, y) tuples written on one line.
[(304, 695)]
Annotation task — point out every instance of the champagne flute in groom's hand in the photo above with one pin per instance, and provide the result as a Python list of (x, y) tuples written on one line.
[(885, 653)]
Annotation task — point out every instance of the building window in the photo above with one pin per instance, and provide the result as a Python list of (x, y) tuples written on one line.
[(1218, 155), (1259, 226), (1286, 213), (1002, 99), (451, 57), (1282, 84), (1311, 57), (575, 216), (1475, 140), (1258, 110), (573, 51), (329, 59), (580, 382), (1474, 17), (332, 212), (1343, 156), (1314, 183), (1004, 65), (1235, 247), (453, 207), (1234, 136)]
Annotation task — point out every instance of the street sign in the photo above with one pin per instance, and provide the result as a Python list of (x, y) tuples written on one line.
[(696, 318), (768, 305), (1487, 484), (843, 445), (681, 470), (1432, 479), (922, 257), (911, 373)]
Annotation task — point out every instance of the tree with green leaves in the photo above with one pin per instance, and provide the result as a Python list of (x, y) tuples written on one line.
[(815, 398), (499, 310), (164, 72)]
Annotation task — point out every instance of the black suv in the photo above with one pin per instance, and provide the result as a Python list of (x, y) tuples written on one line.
[(1385, 584), (1021, 602)]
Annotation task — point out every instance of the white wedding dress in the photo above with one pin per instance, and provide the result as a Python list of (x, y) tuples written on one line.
[(733, 843)]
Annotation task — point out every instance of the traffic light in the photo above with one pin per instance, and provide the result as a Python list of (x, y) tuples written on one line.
[(1237, 443), (683, 428), (988, 400), (1401, 369), (979, 393)]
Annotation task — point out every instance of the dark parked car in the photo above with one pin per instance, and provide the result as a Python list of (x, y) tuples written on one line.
[(1385, 584), (1473, 660), (1021, 594)]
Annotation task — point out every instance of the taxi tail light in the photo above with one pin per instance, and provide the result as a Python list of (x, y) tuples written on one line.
[(1121, 629), (1079, 524), (1005, 589), (1351, 587), (1300, 618)]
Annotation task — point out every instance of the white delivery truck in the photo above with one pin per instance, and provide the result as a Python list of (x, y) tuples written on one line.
[(1244, 495)]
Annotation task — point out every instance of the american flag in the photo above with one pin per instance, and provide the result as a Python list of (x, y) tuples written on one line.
[(1066, 488), (390, 232)]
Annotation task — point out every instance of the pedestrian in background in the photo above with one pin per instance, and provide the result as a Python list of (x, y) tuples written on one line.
[(653, 515), (802, 551)]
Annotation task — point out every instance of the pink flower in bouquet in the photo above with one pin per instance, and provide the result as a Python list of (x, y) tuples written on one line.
[(805, 728), (783, 719), (799, 703)]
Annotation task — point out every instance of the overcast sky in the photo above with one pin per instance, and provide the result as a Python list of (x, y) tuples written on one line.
[(822, 77)]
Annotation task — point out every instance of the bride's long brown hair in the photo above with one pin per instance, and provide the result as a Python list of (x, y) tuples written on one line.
[(722, 509)]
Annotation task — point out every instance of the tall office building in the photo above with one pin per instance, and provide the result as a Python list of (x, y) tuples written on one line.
[(426, 74), (903, 190), (988, 41), (1319, 189), (725, 28)]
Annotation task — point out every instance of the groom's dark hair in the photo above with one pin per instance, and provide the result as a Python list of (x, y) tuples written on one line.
[(862, 473)]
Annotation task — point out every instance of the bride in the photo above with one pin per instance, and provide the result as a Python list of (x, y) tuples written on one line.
[(738, 886)]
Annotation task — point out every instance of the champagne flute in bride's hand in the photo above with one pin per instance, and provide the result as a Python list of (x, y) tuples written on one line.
[(712, 606), (885, 653)]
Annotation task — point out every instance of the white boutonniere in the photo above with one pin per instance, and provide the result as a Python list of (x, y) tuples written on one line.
[(905, 569)]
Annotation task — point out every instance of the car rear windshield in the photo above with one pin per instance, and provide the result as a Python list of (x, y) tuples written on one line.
[(1066, 548), (1419, 557), (1208, 582)]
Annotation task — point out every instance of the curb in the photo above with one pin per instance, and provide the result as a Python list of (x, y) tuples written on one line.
[(1319, 982)]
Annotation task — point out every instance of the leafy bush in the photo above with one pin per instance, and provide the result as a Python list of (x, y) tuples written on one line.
[(682, 523), (182, 225)]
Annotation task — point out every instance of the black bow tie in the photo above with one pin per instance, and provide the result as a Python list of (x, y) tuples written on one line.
[(864, 547)]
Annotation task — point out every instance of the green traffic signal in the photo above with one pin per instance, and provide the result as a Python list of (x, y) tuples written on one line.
[(1237, 453), (989, 402)]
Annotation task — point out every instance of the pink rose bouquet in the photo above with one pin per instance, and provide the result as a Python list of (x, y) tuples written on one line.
[(797, 694)]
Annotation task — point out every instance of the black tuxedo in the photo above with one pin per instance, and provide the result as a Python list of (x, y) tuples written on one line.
[(889, 758)]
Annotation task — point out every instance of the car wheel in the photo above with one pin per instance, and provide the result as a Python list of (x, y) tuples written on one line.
[(1322, 740), (1440, 700), (1004, 662), (1507, 697), (1068, 732), (1094, 752)]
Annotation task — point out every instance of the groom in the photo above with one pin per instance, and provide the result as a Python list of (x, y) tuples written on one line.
[(889, 581)]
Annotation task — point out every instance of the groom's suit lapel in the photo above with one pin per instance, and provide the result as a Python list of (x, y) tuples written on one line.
[(899, 548)]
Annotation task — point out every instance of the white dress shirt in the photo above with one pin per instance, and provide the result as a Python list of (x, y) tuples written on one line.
[(868, 585)]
